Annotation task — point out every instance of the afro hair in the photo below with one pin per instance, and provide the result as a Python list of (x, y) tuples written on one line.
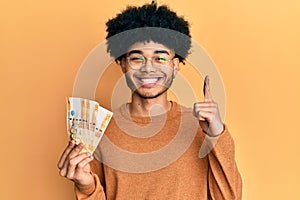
[(148, 23)]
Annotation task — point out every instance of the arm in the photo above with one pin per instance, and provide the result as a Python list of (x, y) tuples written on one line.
[(95, 190), (224, 179)]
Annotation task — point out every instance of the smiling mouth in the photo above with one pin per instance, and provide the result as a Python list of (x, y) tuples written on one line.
[(149, 81)]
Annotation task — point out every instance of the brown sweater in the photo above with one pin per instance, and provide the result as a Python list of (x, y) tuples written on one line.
[(159, 159)]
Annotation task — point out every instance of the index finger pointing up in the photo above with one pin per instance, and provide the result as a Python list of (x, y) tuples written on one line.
[(206, 90)]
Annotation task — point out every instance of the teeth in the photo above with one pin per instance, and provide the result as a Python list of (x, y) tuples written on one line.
[(149, 80)]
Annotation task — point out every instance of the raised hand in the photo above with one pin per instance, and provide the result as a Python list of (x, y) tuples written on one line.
[(75, 165), (207, 113)]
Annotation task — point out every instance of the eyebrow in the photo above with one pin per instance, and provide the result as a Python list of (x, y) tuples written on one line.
[(155, 52)]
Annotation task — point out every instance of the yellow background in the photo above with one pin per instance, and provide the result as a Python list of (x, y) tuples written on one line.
[(255, 45)]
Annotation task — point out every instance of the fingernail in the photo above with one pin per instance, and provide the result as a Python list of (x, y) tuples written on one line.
[(80, 145)]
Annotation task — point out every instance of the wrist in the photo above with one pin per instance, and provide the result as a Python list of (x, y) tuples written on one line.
[(86, 187), (215, 131), (88, 180)]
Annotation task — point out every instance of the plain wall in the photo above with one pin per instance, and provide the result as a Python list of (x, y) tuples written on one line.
[(255, 45)]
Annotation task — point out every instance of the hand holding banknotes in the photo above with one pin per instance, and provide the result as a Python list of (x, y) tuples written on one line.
[(86, 124), (207, 113), (75, 165)]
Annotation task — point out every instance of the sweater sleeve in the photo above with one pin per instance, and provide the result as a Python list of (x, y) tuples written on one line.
[(94, 191), (224, 179)]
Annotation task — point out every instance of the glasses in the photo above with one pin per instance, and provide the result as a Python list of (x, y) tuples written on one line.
[(138, 61)]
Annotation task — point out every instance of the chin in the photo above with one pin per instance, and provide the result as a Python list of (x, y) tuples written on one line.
[(150, 95)]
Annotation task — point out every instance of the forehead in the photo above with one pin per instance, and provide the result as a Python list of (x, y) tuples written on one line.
[(148, 47)]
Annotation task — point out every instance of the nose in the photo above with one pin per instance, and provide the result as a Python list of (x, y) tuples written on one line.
[(148, 66)]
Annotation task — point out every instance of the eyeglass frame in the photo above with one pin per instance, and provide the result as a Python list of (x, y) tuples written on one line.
[(149, 58)]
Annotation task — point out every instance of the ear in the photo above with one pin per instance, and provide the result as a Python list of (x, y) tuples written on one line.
[(175, 66), (123, 65)]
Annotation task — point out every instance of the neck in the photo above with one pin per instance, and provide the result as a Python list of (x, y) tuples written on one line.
[(149, 107)]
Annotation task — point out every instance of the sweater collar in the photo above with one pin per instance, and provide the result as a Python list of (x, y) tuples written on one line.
[(172, 113)]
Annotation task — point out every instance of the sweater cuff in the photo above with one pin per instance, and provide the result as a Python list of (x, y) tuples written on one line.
[(87, 190), (211, 142), (224, 138)]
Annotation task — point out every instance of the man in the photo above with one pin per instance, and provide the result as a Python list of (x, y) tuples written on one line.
[(151, 147)]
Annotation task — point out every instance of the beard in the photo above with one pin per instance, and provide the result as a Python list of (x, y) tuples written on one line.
[(149, 96)]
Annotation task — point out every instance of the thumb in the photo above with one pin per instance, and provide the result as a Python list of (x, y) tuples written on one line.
[(206, 90)]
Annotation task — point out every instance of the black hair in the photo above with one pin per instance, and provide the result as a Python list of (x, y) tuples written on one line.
[(145, 23)]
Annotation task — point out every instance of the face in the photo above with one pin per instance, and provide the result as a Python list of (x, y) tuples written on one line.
[(149, 69)]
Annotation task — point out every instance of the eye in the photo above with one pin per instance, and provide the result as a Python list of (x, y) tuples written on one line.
[(137, 59), (160, 59)]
